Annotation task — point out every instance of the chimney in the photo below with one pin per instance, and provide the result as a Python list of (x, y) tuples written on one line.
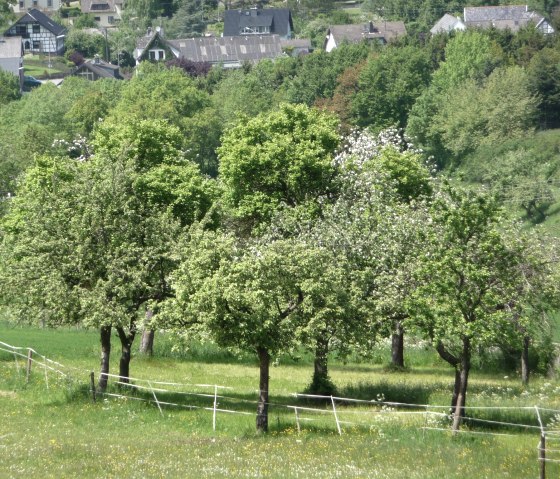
[(253, 11), (96, 59)]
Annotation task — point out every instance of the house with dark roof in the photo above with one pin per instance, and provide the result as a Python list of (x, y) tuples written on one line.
[(154, 47), (107, 13), (512, 17), (382, 31), (39, 34), (96, 69), (255, 21), (448, 23), (229, 51), (11, 56)]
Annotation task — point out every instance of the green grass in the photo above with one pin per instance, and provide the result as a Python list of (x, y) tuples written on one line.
[(61, 432), (38, 66)]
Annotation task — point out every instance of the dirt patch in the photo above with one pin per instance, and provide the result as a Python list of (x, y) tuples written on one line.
[(7, 394)]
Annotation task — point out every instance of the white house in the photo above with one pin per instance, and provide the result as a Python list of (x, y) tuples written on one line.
[(107, 13), (11, 56), (22, 6), (39, 34)]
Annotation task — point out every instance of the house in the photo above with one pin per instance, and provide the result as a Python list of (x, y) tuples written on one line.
[(11, 56), (96, 68), (107, 13), (381, 31), (512, 17), (153, 46), (447, 24), (254, 21), (39, 34), (229, 51), (22, 6)]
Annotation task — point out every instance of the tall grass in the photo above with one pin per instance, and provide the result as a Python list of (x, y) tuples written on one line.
[(61, 432)]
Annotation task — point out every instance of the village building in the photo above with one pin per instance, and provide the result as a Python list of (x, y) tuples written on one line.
[(38, 33), (382, 32)]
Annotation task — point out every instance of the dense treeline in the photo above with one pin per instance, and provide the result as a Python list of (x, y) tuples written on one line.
[(247, 207)]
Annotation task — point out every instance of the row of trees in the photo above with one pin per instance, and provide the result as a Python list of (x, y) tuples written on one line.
[(300, 242)]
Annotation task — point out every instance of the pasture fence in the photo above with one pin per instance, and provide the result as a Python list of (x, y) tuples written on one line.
[(155, 391)]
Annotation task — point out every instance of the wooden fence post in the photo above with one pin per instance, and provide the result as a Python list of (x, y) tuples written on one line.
[(542, 457), (542, 447), (29, 361), (336, 417), (92, 385)]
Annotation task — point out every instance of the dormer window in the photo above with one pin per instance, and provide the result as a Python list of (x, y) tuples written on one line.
[(255, 30)]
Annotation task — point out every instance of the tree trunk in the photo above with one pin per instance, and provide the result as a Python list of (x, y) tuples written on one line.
[(321, 383), (397, 346), (525, 361), (147, 342), (126, 346), (456, 389), (464, 370), (105, 333), (262, 407)]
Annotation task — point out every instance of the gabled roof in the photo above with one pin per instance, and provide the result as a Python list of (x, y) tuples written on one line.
[(513, 17), (10, 47), (36, 16), (96, 6), (230, 49), (355, 33), (100, 68), (150, 40), (278, 19), (448, 23)]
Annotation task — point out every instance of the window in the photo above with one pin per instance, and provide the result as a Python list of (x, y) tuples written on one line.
[(35, 3), (97, 19), (156, 55), (87, 75), (49, 3), (21, 30), (255, 30), (36, 28), (36, 45), (111, 19), (21, 4)]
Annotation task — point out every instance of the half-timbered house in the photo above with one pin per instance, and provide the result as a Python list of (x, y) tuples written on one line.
[(39, 34)]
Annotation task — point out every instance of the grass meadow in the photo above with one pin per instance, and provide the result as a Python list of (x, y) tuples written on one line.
[(60, 432)]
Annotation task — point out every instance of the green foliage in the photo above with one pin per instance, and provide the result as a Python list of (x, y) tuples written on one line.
[(258, 90), (481, 270), (6, 12), (160, 93), (284, 157), (543, 77), (9, 87), (100, 231), (84, 20), (388, 86), (469, 56), (88, 44), (522, 173), (189, 19), (317, 75), (503, 107)]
